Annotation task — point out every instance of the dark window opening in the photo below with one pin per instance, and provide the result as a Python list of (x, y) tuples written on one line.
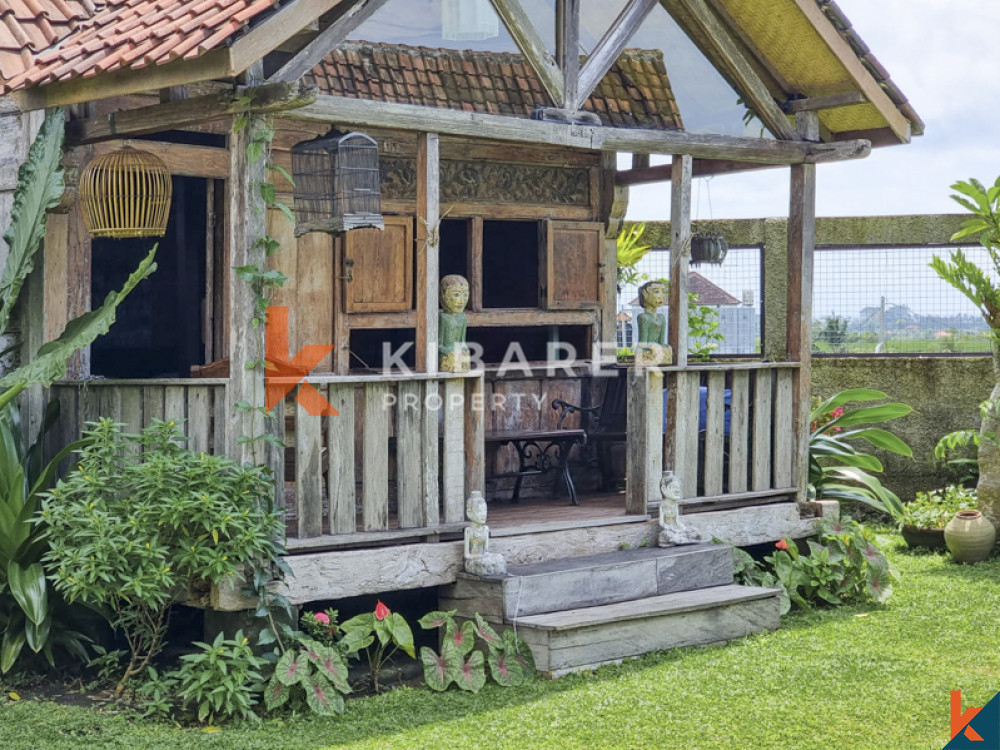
[(158, 332), (373, 349), (510, 264), (454, 247), (496, 343)]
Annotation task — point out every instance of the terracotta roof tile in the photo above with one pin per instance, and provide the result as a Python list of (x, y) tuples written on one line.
[(27, 27), (492, 82)]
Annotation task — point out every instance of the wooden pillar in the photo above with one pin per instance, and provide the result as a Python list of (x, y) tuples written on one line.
[(428, 242), (568, 48), (680, 255), (247, 224), (801, 247), (645, 455), (614, 203)]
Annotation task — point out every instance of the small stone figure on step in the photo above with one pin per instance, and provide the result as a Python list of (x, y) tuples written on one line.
[(452, 349), (479, 560), (652, 348), (673, 531)]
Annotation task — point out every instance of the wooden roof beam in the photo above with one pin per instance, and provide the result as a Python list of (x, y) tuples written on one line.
[(350, 15), (528, 40), (722, 50), (610, 48), (568, 49), (862, 77), (371, 114), (176, 115), (833, 101)]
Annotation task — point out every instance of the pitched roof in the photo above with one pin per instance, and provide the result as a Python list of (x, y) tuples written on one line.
[(634, 94), (135, 33), (706, 292), (28, 27)]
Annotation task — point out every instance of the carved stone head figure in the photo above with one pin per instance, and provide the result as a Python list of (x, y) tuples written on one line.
[(653, 294), (475, 508), (670, 487), (454, 293)]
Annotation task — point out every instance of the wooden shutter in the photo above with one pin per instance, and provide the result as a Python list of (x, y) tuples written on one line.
[(573, 251), (380, 264)]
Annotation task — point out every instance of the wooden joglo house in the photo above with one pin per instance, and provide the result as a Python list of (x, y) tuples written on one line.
[(508, 133)]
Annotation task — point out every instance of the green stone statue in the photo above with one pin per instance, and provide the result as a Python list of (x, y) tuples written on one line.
[(652, 348), (452, 350)]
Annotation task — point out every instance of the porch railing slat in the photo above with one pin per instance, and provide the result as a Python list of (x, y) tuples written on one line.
[(131, 409), (340, 459), (220, 418), (409, 421), (688, 396), (199, 416), (761, 479), (475, 436), (453, 451), (784, 436), (308, 472), (715, 419), (175, 405), (429, 469), (375, 458), (152, 404), (739, 430)]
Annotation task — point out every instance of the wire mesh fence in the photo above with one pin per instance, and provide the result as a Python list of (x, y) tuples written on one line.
[(726, 308), (888, 300)]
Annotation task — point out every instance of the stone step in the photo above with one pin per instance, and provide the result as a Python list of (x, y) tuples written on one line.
[(595, 580), (580, 639)]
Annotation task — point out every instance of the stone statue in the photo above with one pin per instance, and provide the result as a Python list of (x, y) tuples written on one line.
[(652, 348), (479, 560), (452, 350), (673, 531)]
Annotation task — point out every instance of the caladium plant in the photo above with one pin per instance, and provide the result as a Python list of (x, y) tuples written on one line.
[(313, 674)]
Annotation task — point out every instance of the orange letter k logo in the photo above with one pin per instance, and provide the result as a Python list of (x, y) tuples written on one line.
[(282, 375), (960, 721)]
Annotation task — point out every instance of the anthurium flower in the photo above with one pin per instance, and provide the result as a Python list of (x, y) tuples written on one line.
[(381, 611), (781, 544)]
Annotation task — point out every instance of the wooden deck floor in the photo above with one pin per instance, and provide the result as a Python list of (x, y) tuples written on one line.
[(503, 514)]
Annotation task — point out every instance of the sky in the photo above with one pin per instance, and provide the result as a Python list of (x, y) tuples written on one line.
[(943, 55)]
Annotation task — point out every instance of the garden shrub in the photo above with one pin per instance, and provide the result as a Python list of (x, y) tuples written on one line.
[(933, 510), (141, 517)]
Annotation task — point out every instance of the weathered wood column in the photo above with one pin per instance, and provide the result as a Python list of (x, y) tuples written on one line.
[(801, 247), (679, 405), (428, 241), (247, 224)]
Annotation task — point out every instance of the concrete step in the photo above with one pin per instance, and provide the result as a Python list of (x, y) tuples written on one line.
[(595, 580), (580, 639)]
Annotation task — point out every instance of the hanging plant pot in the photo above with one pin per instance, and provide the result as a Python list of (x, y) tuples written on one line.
[(126, 194), (708, 247)]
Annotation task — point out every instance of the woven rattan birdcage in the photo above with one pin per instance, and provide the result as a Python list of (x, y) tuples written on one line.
[(126, 194), (337, 185)]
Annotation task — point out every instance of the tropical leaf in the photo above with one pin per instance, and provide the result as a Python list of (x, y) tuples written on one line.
[(401, 633), (13, 642), (39, 187), (292, 668), (437, 672), (487, 634), (471, 675), (506, 669), (322, 697), (436, 619), (518, 650), (37, 636), (330, 664), (28, 586), (50, 363), (462, 637), (276, 693)]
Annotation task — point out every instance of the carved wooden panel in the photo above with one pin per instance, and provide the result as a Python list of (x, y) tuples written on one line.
[(491, 182), (572, 264), (378, 267)]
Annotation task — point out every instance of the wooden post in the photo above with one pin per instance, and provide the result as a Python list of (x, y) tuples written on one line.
[(568, 48), (247, 224), (475, 435), (645, 455), (428, 240), (801, 246)]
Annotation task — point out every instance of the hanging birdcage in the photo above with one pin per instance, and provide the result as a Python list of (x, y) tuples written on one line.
[(708, 247), (126, 194), (337, 185)]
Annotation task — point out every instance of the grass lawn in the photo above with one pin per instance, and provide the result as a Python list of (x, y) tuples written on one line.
[(862, 677)]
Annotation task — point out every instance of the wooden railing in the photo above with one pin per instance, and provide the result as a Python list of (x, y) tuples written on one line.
[(135, 403), (728, 433), (421, 434)]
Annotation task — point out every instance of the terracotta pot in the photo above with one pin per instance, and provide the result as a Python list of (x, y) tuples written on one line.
[(916, 536), (969, 536)]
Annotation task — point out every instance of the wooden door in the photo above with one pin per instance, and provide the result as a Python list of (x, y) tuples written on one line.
[(572, 264), (378, 267)]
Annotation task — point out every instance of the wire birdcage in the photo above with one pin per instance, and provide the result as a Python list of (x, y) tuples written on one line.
[(126, 194), (337, 185)]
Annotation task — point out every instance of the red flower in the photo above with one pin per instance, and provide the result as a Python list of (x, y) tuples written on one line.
[(781, 544), (322, 617), (381, 611)]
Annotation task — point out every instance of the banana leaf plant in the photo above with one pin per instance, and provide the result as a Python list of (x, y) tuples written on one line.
[(838, 468)]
